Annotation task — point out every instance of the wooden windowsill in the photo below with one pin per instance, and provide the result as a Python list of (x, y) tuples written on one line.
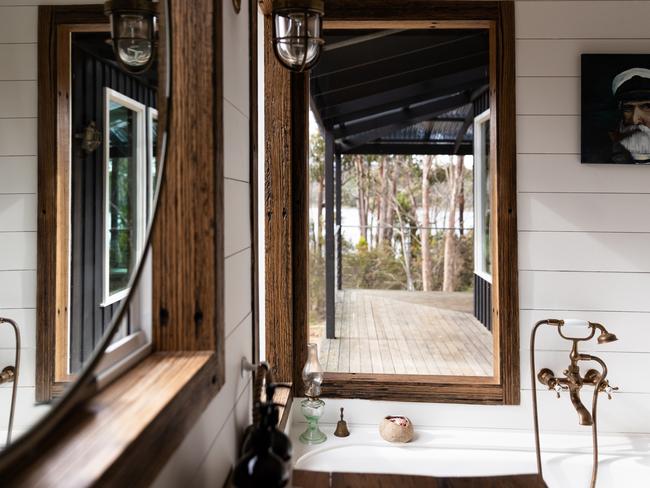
[(124, 435)]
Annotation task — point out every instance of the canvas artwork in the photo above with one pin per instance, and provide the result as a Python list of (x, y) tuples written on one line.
[(615, 108)]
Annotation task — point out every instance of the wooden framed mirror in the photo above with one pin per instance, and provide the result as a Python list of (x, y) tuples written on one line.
[(393, 98)]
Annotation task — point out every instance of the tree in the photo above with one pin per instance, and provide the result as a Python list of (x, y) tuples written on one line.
[(381, 204), (461, 204), (404, 207), (404, 232), (362, 195), (317, 175), (456, 174), (426, 223), (372, 269)]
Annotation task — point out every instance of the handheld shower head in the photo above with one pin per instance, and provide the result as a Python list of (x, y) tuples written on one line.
[(605, 336)]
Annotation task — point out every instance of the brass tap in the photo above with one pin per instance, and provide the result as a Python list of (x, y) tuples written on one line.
[(573, 382), (594, 377)]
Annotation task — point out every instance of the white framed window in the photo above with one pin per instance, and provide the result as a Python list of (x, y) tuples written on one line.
[(125, 191), (152, 151), (482, 197)]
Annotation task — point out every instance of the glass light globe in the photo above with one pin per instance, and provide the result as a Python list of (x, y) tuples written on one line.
[(134, 44), (298, 38)]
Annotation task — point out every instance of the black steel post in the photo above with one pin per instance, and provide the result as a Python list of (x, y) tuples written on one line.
[(339, 239), (330, 280)]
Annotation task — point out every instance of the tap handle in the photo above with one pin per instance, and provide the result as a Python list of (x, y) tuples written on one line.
[(559, 388), (608, 389), (592, 377), (547, 378)]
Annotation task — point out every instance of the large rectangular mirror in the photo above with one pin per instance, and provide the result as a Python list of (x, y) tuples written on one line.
[(402, 205)]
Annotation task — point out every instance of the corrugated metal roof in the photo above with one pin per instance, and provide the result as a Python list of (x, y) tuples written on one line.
[(375, 90)]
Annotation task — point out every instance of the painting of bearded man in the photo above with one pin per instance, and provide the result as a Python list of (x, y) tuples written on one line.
[(615, 109)]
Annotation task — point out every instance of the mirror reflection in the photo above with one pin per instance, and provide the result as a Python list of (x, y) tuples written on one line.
[(79, 166), (400, 247)]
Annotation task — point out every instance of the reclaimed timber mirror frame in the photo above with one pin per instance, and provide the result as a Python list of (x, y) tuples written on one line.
[(117, 419), (287, 194)]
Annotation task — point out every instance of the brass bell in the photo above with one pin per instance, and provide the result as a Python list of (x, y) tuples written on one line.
[(341, 427)]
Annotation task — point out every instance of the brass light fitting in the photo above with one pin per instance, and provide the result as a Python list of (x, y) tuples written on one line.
[(572, 381), (297, 30), (133, 31), (90, 137)]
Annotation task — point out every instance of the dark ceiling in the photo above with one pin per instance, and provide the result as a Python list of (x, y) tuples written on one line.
[(97, 44), (400, 91)]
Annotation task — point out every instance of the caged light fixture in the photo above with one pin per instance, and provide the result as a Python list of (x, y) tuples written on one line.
[(133, 31), (297, 30)]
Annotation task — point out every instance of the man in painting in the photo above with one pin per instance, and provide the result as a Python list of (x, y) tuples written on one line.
[(631, 142)]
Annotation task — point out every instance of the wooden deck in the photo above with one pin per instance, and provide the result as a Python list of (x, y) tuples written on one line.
[(399, 332)]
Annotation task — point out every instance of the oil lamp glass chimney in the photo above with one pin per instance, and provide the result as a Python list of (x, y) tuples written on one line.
[(312, 407)]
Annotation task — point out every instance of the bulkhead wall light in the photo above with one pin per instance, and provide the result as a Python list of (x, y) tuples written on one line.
[(297, 31), (133, 26)]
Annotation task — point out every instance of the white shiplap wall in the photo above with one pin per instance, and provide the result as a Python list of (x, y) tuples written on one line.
[(18, 186), (584, 230), (210, 449)]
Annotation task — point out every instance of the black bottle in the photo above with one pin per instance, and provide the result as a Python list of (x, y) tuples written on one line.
[(261, 466), (280, 443), (262, 375)]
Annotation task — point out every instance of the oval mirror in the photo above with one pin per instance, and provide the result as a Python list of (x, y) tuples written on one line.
[(82, 137)]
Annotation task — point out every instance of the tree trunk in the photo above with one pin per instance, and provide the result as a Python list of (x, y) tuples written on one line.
[(362, 197), (451, 251), (392, 197), (461, 197), (319, 215), (426, 252), (406, 250), (381, 202)]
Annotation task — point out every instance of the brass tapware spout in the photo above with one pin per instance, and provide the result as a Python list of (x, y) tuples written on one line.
[(572, 381), (584, 417), (547, 377)]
